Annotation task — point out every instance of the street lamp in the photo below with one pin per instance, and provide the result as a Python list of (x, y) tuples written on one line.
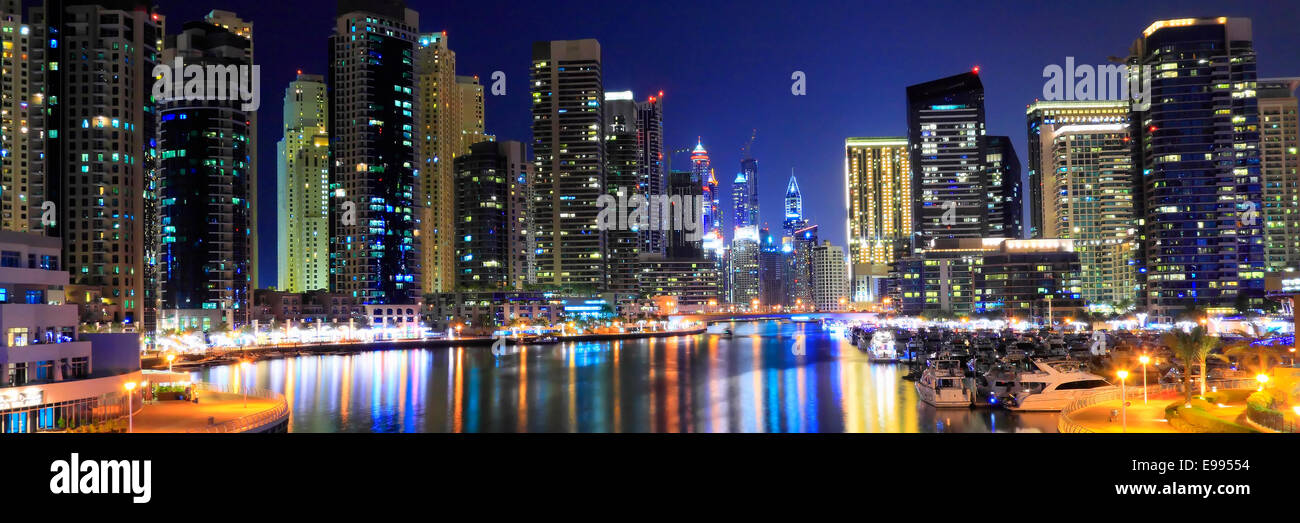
[(1262, 379), (1123, 398), (170, 358), (1144, 360), (244, 365), (130, 419)]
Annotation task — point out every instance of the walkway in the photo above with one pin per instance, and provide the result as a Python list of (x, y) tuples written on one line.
[(184, 416)]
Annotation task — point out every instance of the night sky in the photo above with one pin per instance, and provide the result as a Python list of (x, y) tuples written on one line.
[(725, 68)]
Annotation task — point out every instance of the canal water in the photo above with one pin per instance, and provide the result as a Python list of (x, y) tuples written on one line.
[(770, 377)]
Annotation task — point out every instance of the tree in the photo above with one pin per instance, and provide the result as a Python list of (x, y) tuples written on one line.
[(1192, 346)]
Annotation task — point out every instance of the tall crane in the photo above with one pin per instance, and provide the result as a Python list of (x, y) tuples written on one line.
[(749, 146)]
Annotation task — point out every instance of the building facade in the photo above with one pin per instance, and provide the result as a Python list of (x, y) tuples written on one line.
[(374, 243), (878, 189), (205, 186), (829, 278), (303, 197), (1202, 189), (945, 133), (1279, 139), (99, 158), (568, 96), (491, 208)]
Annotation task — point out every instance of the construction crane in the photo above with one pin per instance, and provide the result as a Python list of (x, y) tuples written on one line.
[(749, 146)]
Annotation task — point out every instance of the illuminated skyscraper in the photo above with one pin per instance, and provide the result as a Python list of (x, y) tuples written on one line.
[(449, 118), (18, 133), (945, 126), (829, 287), (568, 96), (623, 178), (743, 268), (878, 189), (793, 208), (1280, 162), (1002, 170), (1201, 182), (1042, 118), (99, 151), (302, 202), (1088, 183), (740, 200), (374, 245), (491, 203), (204, 191)]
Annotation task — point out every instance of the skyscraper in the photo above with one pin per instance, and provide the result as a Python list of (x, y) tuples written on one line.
[(1088, 183), (1042, 118), (749, 166), (828, 278), (490, 206), (650, 162), (204, 188), (236, 25), (302, 202), (1199, 148), (799, 273), (793, 208), (740, 200), (374, 245), (1279, 139), (18, 133), (878, 190), (623, 177), (1002, 170), (743, 270), (945, 130), (99, 154), (568, 142), (449, 117)]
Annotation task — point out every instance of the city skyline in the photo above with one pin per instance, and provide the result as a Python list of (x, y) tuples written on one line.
[(847, 94)]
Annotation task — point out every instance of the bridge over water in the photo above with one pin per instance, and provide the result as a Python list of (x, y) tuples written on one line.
[(728, 317)]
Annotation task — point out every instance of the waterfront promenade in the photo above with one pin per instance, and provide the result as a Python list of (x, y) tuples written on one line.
[(183, 416)]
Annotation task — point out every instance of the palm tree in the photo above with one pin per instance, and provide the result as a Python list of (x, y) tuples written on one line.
[(1192, 347)]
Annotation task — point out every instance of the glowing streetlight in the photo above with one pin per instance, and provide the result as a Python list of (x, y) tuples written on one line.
[(130, 419), (1123, 398), (1144, 360), (170, 359), (1262, 379)]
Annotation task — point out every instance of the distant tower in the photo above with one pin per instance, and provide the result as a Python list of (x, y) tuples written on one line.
[(793, 208), (740, 200), (749, 167)]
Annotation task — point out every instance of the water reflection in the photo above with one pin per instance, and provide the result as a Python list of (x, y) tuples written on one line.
[(771, 377)]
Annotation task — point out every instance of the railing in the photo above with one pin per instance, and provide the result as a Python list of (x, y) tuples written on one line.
[(252, 422), (1066, 424)]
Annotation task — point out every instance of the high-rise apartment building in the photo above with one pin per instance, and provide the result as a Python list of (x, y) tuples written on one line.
[(1088, 184), (623, 156), (303, 196), (1199, 147), (205, 187), (945, 126), (491, 207), (1042, 118), (568, 94), (244, 28), (879, 197), (799, 269), (1002, 170), (18, 133), (374, 243), (829, 285), (99, 158), (743, 270), (449, 118), (749, 167), (1279, 141), (793, 219)]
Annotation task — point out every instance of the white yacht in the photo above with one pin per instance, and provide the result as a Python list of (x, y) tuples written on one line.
[(1053, 385), (943, 384), (883, 347)]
